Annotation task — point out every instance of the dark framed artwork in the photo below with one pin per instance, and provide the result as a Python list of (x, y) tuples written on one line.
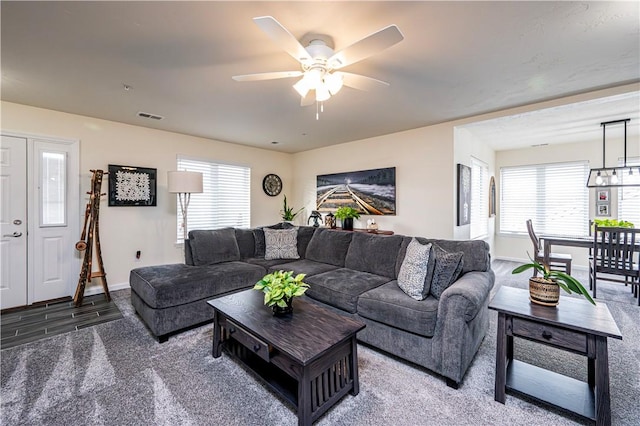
[(371, 192), (132, 186), (464, 195), (492, 197)]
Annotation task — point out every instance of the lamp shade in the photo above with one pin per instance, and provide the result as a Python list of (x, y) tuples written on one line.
[(184, 182)]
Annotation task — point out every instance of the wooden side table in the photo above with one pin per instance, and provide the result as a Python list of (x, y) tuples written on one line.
[(575, 326)]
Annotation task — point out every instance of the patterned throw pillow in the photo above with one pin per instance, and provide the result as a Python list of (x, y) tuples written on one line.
[(413, 271), (281, 244), (446, 271)]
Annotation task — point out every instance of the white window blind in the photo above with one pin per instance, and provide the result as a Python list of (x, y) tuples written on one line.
[(479, 199), (629, 196), (225, 200), (554, 196)]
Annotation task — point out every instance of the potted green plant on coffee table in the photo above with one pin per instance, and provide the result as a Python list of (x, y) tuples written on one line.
[(280, 288), (346, 215), (545, 290)]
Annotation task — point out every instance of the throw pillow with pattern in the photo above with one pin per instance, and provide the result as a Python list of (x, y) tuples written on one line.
[(413, 271), (281, 244), (446, 270)]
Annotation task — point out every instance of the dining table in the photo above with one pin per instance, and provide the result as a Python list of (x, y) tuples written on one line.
[(554, 240)]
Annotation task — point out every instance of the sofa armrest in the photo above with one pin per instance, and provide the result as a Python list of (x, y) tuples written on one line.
[(468, 293)]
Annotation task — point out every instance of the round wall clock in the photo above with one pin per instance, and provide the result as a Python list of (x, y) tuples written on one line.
[(272, 184)]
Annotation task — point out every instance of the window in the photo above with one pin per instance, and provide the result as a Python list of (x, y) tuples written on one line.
[(225, 200), (53, 188), (554, 196), (479, 199), (629, 196)]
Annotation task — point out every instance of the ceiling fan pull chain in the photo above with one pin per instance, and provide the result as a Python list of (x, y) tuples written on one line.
[(317, 113)]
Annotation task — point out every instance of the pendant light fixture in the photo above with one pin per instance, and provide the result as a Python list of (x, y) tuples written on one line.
[(607, 177)]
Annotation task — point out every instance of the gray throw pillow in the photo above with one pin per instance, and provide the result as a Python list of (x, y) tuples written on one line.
[(413, 271), (446, 271), (258, 235), (281, 244)]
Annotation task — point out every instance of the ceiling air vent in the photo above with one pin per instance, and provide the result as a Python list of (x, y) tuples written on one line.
[(150, 116)]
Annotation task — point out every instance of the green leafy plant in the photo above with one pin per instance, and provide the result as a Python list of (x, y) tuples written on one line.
[(562, 279), (613, 223), (280, 286), (287, 211), (346, 213)]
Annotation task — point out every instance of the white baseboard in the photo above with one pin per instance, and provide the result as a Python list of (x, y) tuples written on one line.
[(112, 287)]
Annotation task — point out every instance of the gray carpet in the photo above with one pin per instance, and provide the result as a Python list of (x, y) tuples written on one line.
[(116, 374)]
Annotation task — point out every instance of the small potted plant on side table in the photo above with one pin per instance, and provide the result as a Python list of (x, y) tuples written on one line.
[(346, 216), (279, 289), (545, 290)]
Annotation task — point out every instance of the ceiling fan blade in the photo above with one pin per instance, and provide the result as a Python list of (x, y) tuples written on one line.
[(361, 82), (267, 76), (310, 99), (366, 47), (282, 37)]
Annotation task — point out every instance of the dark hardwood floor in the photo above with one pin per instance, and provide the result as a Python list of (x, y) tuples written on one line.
[(37, 322)]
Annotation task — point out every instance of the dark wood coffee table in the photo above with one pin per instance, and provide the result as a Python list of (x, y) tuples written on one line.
[(314, 349), (574, 325)]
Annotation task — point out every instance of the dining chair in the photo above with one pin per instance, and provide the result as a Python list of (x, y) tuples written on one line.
[(557, 261), (616, 254)]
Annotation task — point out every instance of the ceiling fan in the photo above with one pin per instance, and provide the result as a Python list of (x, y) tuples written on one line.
[(320, 63)]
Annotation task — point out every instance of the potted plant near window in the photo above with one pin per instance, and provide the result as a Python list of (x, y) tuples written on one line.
[(287, 211), (279, 289), (346, 216), (545, 290)]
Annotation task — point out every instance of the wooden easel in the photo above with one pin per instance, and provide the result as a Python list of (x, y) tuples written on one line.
[(89, 238)]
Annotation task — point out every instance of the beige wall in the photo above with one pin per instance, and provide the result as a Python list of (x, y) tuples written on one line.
[(424, 176), (124, 230)]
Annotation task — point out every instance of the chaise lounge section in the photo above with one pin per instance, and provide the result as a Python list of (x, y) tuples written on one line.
[(353, 273)]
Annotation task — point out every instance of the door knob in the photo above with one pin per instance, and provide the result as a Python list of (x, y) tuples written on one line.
[(14, 235)]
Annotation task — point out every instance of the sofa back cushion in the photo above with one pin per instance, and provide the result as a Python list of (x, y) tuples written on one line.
[(476, 252), (376, 254), (305, 233), (246, 243), (209, 247), (328, 246)]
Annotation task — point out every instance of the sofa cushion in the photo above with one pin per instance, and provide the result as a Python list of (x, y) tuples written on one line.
[(163, 286), (329, 246), (246, 242), (413, 272), (302, 266), (281, 244), (389, 305), (258, 235), (340, 288), (476, 253), (305, 233), (446, 270), (373, 253), (209, 247)]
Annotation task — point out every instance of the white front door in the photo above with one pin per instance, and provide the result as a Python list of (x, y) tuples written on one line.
[(13, 222), (54, 220)]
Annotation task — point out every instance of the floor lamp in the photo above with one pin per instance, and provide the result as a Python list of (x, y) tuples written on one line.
[(184, 184)]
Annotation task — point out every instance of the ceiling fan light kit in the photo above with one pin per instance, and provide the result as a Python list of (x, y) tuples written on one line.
[(319, 62)]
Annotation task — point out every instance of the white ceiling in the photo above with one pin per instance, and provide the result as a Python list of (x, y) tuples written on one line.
[(458, 59)]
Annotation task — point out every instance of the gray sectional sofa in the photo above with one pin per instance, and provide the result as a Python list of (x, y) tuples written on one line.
[(351, 272)]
